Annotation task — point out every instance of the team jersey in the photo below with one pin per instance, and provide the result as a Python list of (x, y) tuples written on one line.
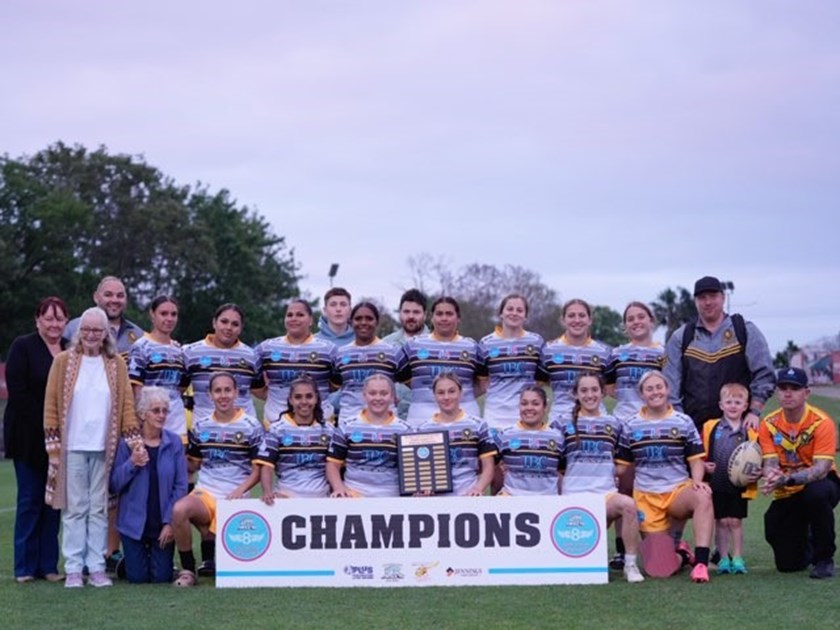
[(469, 442), (797, 445), (660, 450), (161, 365), (423, 358), (625, 368), (510, 364), (280, 362), (204, 358), (353, 364), (589, 452), (561, 363), (226, 451), (369, 453), (298, 454), (532, 459)]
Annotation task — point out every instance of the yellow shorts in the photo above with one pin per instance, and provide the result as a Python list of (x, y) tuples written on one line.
[(209, 502), (653, 507)]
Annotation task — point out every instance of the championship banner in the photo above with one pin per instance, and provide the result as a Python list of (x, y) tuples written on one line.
[(436, 541)]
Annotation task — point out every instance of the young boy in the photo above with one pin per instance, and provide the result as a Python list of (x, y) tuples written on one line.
[(720, 438)]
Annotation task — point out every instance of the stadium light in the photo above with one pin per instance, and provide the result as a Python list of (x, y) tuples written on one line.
[(334, 271)]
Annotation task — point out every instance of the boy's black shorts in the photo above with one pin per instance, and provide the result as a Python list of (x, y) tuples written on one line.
[(729, 505)]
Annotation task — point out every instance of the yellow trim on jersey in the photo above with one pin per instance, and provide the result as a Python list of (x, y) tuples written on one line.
[(239, 413), (364, 418), (643, 413), (461, 415), (302, 343), (211, 340), (519, 425), (375, 340), (713, 357), (436, 337)]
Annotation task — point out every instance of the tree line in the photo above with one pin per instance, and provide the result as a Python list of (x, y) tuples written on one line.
[(69, 216)]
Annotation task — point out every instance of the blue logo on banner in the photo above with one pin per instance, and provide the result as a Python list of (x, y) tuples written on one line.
[(246, 536), (575, 532), (423, 452)]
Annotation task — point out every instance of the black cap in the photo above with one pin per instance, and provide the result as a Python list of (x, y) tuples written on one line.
[(792, 376), (707, 284)]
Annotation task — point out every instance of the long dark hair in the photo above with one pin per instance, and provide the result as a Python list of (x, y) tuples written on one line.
[(577, 407), (305, 379)]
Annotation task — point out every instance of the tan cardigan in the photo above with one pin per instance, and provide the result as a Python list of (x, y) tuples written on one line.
[(60, 385)]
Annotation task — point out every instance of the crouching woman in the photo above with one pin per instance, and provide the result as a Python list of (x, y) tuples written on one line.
[(149, 479)]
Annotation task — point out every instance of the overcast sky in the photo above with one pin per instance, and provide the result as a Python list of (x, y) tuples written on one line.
[(617, 148)]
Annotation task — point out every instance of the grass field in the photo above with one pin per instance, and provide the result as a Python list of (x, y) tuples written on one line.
[(762, 599)]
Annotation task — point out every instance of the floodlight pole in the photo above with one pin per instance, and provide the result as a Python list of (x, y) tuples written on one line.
[(332, 273), (728, 289)]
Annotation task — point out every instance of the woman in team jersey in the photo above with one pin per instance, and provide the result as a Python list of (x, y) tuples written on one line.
[(156, 360), (530, 451), (510, 356), (574, 353), (294, 451), (366, 446), (591, 444), (669, 468), (626, 366), (443, 350), (629, 362), (283, 359), (471, 447), (367, 354), (225, 446), (222, 351)]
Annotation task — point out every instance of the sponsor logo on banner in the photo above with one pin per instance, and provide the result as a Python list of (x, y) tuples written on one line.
[(465, 573), (422, 570), (393, 572), (575, 532), (246, 536), (357, 572)]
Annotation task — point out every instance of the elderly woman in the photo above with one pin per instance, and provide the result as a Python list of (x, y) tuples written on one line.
[(149, 479), (88, 406), (36, 524)]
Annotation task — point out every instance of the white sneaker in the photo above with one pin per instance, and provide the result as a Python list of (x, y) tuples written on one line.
[(632, 573), (99, 579)]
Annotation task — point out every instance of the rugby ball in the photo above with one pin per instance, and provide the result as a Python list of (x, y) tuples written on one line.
[(744, 463)]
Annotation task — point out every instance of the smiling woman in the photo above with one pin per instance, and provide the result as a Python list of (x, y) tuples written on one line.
[(87, 408), (28, 366), (366, 355), (157, 360)]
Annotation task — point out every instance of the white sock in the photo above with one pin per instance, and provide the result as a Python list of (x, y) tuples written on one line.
[(629, 559)]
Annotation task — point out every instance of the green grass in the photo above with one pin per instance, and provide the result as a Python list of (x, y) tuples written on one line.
[(762, 599)]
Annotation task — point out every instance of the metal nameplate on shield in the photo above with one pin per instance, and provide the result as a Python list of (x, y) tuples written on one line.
[(424, 462)]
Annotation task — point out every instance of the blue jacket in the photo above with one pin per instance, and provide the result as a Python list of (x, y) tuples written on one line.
[(132, 484)]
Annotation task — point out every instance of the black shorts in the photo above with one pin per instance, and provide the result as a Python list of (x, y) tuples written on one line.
[(729, 505)]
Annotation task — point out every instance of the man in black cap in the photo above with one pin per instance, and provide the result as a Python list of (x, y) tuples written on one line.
[(717, 348), (798, 447)]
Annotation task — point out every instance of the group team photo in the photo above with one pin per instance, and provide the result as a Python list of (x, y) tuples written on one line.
[(124, 440)]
